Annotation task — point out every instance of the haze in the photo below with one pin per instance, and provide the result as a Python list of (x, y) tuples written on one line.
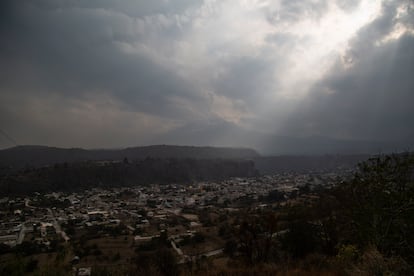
[(279, 76)]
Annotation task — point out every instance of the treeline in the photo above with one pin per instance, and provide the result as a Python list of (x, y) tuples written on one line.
[(39, 156), (364, 226), (297, 163), (82, 175)]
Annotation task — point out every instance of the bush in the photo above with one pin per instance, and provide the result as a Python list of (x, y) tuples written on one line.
[(377, 206), (348, 254), (300, 240), (116, 257), (372, 262)]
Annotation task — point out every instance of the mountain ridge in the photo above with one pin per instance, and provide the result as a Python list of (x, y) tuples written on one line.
[(37, 155)]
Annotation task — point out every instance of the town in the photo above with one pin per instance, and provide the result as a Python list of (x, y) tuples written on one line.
[(111, 226)]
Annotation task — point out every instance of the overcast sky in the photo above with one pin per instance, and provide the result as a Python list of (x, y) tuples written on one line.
[(100, 73)]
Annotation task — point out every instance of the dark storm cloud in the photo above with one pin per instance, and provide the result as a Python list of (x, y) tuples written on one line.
[(103, 73), (369, 96), (244, 77), (129, 7), (76, 51), (368, 36), (62, 60)]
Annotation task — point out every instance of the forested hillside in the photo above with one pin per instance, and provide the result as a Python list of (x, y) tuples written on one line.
[(81, 175), (37, 156)]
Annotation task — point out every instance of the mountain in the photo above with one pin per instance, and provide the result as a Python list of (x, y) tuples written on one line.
[(77, 176), (42, 155), (223, 133), (320, 145), (297, 163)]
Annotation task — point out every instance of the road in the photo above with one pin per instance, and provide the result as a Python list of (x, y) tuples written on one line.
[(187, 258), (178, 250), (213, 252), (21, 235), (57, 226)]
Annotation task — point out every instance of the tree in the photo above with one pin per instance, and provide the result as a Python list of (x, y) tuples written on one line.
[(379, 205), (166, 262), (256, 237), (300, 239), (230, 248)]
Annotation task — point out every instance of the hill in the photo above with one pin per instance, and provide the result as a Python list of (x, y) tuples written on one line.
[(303, 163), (37, 156)]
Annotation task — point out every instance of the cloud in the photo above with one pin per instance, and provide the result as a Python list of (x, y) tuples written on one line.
[(79, 56), (82, 52), (367, 95), (116, 73)]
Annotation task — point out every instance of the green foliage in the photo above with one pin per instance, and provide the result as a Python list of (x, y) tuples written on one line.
[(230, 248), (256, 238), (166, 262), (379, 205), (117, 230), (28, 248), (116, 257), (15, 267), (18, 266), (301, 239), (31, 265), (83, 175), (159, 262), (198, 237), (372, 262), (97, 252), (348, 253), (4, 248), (188, 240), (101, 271), (155, 243), (275, 196), (365, 224)]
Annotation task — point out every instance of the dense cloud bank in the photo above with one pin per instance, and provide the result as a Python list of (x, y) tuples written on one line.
[(121, 73)]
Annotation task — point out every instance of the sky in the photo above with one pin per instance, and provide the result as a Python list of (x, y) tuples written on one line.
[(111, 74)]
